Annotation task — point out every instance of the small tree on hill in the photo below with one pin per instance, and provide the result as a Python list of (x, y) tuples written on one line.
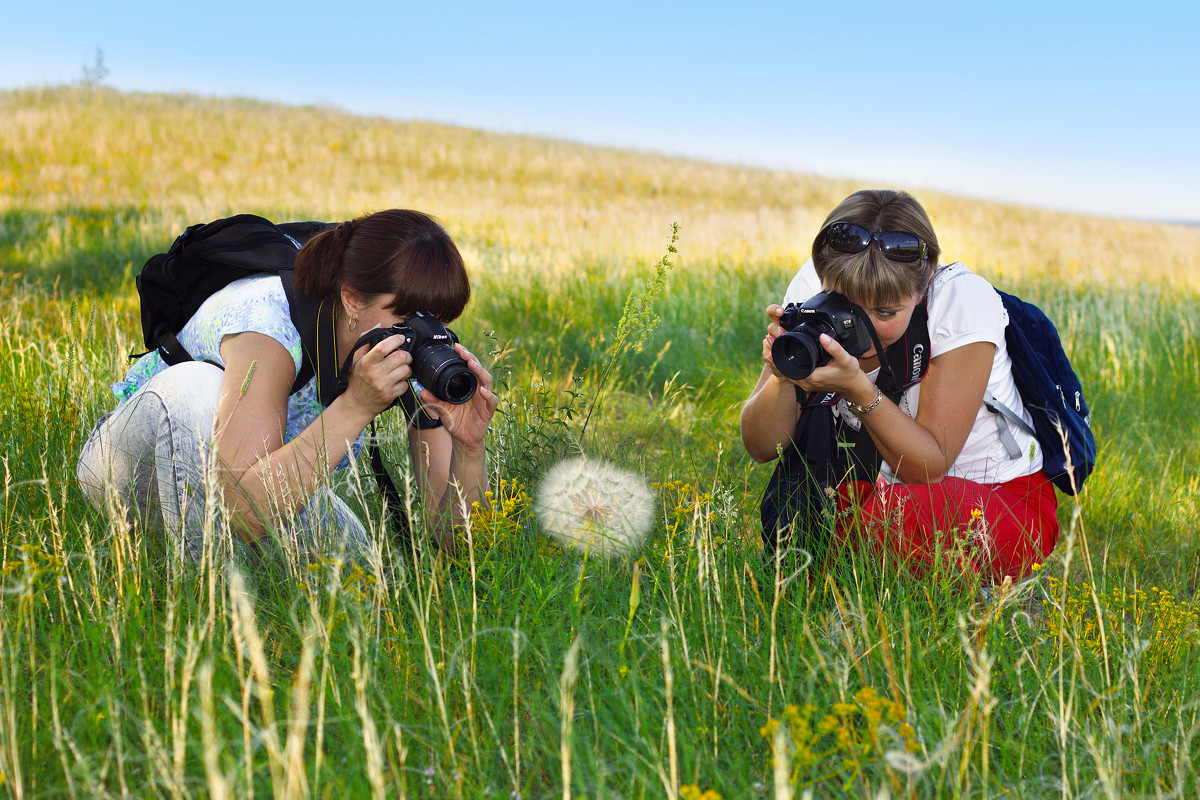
[(94, 74)]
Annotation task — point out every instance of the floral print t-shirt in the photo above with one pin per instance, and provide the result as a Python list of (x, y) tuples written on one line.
[(257, 304)]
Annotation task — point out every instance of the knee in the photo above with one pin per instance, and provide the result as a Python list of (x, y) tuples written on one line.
[(94, 467), (188, 393), (89, 481)]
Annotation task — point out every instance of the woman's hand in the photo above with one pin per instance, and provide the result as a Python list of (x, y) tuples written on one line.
[(774, 331), (467, 423), (379, 375), (769, 415), (842, 374)]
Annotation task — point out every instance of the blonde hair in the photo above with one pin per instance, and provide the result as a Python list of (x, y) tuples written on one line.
[(869, 276)]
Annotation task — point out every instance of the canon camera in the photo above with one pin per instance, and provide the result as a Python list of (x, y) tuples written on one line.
[(436, 365), (798, 352)]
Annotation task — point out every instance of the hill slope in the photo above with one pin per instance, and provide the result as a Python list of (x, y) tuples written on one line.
[(518, 204)]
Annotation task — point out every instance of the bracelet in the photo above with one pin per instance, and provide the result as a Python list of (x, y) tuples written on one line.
[(860, 410)]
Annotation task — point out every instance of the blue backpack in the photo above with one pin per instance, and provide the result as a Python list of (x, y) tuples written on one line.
[(1051, 393)]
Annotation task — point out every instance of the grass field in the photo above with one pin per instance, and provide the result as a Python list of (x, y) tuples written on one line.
[(690, 670)]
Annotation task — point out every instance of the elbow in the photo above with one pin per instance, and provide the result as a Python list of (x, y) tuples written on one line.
[(767, 432), (245, 522), (248, 528), (761, 451), (922, 475), (759, 454), (753, 441), (244, 517)]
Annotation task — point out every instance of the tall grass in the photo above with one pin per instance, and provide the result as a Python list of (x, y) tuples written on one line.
[(517, 669)]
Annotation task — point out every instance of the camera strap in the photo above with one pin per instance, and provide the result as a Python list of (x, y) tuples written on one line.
[(906, 362), (320, 351), (397, 509), (903, 364)]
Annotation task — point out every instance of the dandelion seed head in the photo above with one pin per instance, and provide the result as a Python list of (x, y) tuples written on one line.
[(591, 506), (904, 761)]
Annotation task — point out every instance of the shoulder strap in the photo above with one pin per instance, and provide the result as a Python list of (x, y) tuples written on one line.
[(314, 318), (1003, 413)]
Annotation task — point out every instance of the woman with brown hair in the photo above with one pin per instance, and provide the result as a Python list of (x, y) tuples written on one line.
[(899, 433), (272, 449)]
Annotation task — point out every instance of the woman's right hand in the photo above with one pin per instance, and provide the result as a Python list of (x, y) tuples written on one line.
[(769, 415), (774, 331), (379, 375)]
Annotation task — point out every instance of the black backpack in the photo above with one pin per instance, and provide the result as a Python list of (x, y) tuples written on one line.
[(206, 258), (1052, 394)]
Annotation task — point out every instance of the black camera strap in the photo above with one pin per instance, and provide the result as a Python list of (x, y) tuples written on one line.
[(825, 451), (397, 509), (907, 360), (903, 364)]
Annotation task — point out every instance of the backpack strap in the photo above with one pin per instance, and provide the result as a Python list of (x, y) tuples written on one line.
[(314, 318), (1004, 415), (169, 349)]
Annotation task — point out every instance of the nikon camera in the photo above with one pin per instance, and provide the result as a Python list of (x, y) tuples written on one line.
[(436, 365), (798, 352)]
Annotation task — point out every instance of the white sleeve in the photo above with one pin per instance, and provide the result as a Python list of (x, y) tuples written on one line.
[(804, 285), (963, 309), (256, 304)]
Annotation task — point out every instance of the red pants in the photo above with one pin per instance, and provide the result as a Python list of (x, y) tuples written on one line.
[(997, 529)]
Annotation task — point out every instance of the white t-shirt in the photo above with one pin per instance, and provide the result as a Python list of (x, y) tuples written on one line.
[(963, 309)]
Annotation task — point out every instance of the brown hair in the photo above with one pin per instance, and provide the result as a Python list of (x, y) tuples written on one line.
[(401, 252), (869, 276)]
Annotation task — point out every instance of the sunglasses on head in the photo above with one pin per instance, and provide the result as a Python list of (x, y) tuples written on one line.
[(846, 237)]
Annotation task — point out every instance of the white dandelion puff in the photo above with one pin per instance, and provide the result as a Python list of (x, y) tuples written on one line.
[(594, 507), (905, 762)]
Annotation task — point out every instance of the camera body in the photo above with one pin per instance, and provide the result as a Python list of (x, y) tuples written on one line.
[(798, 351), (436, 365)]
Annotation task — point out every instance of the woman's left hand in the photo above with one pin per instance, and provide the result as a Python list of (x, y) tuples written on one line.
[(467, 423), (842, 374)]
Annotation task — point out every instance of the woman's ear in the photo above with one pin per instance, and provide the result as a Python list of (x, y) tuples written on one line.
[(350, 301)]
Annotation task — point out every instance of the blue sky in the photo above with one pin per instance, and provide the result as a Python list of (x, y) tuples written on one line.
[(1083, 106)]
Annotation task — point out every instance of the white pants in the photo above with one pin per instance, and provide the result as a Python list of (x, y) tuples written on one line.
[(151, 453)]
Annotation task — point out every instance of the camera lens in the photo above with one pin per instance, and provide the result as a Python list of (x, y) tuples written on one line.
[(797, 353), (460, 386), (444, 373)]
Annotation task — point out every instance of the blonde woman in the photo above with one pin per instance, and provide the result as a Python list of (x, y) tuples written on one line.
[(898, 431)]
